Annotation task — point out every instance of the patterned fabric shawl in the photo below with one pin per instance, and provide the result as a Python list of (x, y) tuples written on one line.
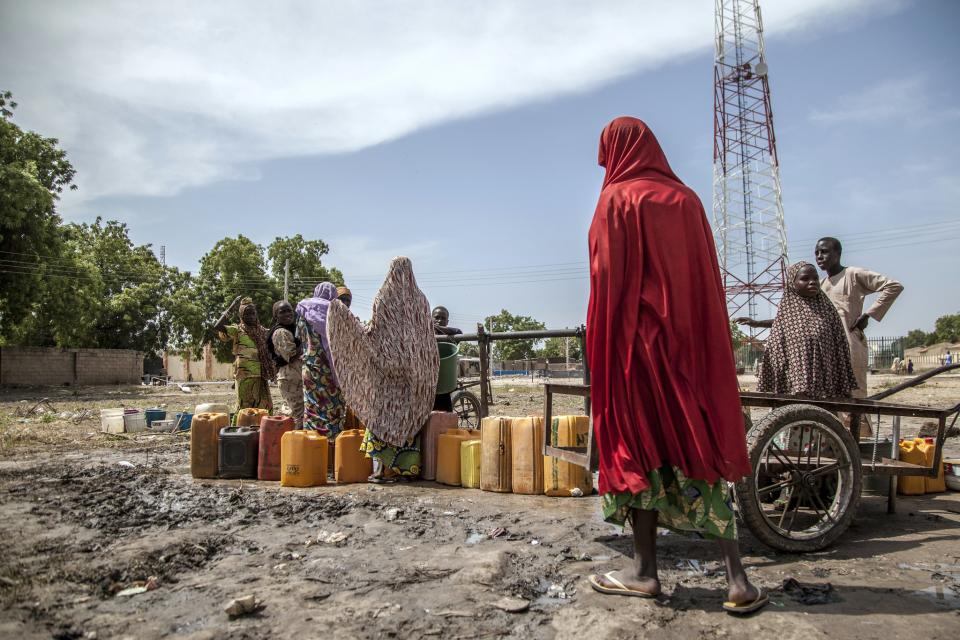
[(807, 352), (258, 334), (388, 367)]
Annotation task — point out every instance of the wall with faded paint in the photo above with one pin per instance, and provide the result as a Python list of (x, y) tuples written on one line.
[(43, 366)]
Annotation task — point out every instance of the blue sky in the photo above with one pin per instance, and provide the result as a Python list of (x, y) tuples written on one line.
[(466, 138)]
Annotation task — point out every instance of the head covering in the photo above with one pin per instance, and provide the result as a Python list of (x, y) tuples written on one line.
[(343, 291), (279, 360), (807, 353), (388, 367), (629, 150), (662, 378), (258, 334), (314, 312)]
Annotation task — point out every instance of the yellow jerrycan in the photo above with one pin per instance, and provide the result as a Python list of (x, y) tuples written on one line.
[(303, 459), (470, 464), (250, 417), (562, 478), (497, 452), (350, 463), (910, 452), (527, 458), (205, 444), (931, 485)]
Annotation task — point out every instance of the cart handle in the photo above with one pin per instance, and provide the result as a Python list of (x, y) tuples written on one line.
[(914, 381)]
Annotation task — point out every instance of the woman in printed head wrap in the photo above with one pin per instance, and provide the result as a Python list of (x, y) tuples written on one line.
[(286, 350), (252, 366), (807, 353), (665, 403), (344, 295), (324, 410)]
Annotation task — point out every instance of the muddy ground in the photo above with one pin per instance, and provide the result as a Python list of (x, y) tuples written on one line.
[(85, 515)]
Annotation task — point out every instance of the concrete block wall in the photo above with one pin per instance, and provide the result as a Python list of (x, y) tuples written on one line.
[(56, 367)]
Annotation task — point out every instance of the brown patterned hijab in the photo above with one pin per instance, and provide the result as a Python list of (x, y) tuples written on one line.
[(807, 353), (258, 334)]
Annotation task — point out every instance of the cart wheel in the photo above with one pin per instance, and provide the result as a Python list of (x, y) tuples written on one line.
[(805, 486), (467, 406)]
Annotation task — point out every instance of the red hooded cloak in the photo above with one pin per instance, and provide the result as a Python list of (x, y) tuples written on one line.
[(663, 383)]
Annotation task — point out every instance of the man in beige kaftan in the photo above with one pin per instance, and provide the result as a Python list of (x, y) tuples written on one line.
[(847, 287)]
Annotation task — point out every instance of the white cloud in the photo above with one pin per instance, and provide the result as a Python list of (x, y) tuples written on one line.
[(151, 98), (903, 100)]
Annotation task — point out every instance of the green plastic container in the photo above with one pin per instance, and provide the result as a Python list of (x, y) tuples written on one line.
[(449, 357)]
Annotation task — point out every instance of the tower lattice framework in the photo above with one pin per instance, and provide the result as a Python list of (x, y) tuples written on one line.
[(747, 207)]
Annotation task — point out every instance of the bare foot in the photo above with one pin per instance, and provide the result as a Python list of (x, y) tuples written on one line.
[(742, 592), (633, 582)]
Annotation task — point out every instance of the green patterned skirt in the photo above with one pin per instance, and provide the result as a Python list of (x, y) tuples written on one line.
[(404, 461), (684, 504)]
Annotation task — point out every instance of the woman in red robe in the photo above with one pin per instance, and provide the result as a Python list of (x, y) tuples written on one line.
[(666, 407)]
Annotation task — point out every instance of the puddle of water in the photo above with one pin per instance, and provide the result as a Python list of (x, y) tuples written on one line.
[(940, 595), (474, 538)]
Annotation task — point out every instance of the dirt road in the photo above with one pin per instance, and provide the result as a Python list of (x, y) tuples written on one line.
[(84, 516)]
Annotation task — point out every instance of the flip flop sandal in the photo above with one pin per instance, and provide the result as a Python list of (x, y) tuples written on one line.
[(747, 607), (619, 589)]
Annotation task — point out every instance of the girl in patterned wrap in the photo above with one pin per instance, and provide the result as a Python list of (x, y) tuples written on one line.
[(807, 353)]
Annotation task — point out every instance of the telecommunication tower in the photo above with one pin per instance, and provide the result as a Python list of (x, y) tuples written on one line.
[(747, 207)]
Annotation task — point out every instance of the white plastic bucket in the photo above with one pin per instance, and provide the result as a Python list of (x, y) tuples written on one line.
[(951, 473), (111, 420), (211, 407), (134, 422)]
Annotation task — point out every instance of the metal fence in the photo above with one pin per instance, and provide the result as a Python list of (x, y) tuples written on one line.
[(881, 354)]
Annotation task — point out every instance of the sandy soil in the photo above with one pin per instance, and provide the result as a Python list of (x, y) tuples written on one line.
[(84, 515)]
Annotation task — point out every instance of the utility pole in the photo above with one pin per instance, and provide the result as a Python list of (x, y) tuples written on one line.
[(566, 349), (286, 279), (163, 254)]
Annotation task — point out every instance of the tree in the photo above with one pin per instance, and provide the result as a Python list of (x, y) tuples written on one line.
[(513, 349), (557, 348), (469, 350), (947, 328), (33, 173), (234, 267), (917, 338), (738, 336), (306, 265)]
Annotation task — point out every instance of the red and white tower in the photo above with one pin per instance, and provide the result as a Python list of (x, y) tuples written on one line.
[(747, 208)]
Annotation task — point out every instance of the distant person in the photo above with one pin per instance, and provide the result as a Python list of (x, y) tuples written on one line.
[(252, 365), (895, 365), (948, 359), (441, 319), (324, 409), (909, 366), (666, 414), (345, 296), (806, 353), (287, 353), (847, 287)]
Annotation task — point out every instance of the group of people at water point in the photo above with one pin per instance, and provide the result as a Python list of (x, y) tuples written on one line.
[(664, 391), (295, 352)]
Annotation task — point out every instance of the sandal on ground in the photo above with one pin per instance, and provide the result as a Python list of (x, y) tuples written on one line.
[(619, 589), (380, 480), (747, 607)]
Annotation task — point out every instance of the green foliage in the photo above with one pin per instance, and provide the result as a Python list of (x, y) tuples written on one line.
[(306, 265), (557, 348), (738, 336), (469, 350), (513, 349), (946, 329), (33, 172)]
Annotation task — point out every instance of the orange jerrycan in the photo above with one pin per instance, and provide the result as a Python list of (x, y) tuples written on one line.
[(250, 417), (931, 485), (562, 478), (526, 474), (350, 463), (205, 444), (910, 452), (470, 458), (496, 454), (448, 454), (438, 423), (303, 459)]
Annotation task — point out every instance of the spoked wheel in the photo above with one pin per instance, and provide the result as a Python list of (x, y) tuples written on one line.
[(467, 407), (805, 487)]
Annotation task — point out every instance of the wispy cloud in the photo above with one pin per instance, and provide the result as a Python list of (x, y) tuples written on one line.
[(902, 100), (152, 98)]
